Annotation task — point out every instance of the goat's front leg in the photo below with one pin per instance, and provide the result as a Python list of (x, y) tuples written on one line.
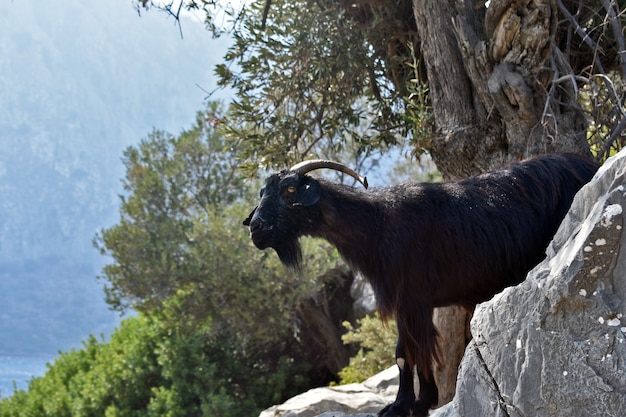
[(405, 401), (406, 395), (416, 346)]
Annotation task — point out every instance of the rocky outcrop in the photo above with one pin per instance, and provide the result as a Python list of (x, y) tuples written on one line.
[(362, 293), (555, 345), (365, 399)]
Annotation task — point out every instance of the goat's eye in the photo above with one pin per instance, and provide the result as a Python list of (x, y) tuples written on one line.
[(291, 189)]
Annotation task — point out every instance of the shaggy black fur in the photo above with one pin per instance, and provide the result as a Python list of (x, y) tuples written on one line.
[(426, 245)]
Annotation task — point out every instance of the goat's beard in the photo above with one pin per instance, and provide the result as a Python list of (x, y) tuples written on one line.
[(290, 253)]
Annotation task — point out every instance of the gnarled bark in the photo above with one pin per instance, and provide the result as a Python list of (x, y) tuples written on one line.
[(494, 84)]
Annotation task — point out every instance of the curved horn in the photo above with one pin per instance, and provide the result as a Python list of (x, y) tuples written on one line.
[(308, 166)]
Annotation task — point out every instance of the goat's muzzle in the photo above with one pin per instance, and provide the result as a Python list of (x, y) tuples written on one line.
[(260, 233)]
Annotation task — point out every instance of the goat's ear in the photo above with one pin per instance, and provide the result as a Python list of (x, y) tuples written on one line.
[(308, 193), (247, 221)]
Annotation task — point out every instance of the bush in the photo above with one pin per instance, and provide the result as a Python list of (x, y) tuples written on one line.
[(377, 348), (150, 368)]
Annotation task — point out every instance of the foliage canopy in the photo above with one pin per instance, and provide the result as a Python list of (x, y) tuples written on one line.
[(311, 77), (307, 84)]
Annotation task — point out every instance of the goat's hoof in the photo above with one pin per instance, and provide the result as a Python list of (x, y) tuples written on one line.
[(396, 409), (420, 408)]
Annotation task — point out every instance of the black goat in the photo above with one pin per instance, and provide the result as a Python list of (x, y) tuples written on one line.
[(424, 245)]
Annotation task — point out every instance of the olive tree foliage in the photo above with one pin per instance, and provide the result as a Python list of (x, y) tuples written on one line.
[(307, 84), (310, 80), (475, 84)]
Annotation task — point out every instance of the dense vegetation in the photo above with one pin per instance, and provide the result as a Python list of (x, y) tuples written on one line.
[(153, 368)]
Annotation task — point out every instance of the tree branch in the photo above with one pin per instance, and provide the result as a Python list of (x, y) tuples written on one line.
[(617, 31)]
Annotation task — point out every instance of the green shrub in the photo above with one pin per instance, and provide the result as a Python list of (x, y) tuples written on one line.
[(153, 368), (377, 343)]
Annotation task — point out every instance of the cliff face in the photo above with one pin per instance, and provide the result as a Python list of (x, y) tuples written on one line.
[(555, 345)]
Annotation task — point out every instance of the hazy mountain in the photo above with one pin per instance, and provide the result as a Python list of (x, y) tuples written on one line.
[(79, 82)]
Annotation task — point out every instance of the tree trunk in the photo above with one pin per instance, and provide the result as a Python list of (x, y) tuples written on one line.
[(495, 84), (494, 78), (321, 329), (453, 326)]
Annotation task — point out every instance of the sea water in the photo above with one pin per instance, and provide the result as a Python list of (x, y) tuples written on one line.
[(17, 371)]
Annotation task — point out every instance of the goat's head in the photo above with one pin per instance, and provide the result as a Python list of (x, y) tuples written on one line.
[(288, 209)]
